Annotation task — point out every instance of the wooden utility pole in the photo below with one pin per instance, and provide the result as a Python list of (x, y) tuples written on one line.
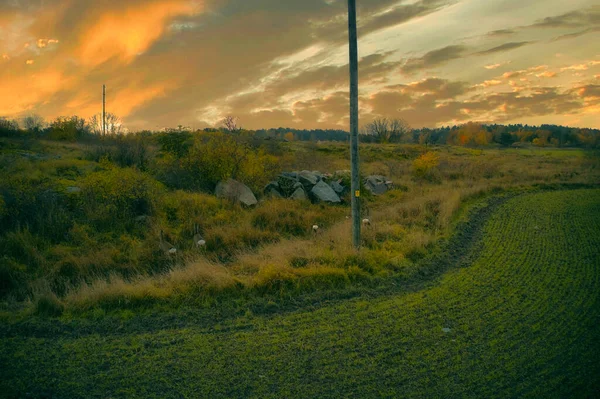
[(103, 110), (352, 37)]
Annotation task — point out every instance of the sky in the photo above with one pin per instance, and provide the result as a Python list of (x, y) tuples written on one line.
[(284, 63)]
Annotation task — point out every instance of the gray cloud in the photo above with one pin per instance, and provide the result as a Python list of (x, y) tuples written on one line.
[(434, 58), (437, 108), (501, 32), (503, 47), (576, 34), (573, 19)]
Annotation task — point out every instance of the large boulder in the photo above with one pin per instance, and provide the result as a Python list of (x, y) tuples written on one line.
[(235, 191), (299, 194), (272, 190), (308, 179), (323, 192), (286, 184), (337, 187), (377, 184)]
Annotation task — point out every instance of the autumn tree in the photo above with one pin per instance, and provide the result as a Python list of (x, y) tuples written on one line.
[(470, 133)]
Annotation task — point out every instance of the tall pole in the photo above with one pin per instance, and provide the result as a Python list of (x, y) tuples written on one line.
[(103, 110), (352, 37)]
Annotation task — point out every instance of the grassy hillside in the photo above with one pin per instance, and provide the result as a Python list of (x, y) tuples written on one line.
[(80, 222), (520, 319)]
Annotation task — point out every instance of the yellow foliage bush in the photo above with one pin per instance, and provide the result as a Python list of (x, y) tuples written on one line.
[(426, 165), (218, 156)]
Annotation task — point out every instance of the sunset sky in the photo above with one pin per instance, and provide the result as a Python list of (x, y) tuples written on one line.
[(278, 63)]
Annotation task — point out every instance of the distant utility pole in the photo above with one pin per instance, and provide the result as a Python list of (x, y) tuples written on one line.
[(103, 110), (352, 38)]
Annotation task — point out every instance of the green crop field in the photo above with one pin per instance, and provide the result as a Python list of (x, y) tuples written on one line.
[(521, 319)]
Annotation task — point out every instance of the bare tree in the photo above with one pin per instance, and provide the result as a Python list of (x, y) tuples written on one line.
[(399, 128), (114, 125), (231, 123), (388, 130), (380, 128), (33, 123)]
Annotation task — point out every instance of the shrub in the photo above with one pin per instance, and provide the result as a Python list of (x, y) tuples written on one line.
[(13, 277), (214, 157), (115, 196), (9, 128), (425, 166), (125, 151), (67, 128), (31, 200), (48, 305), (177, 143)]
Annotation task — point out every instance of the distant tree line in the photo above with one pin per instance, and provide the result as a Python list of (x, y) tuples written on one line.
[(381, 130)]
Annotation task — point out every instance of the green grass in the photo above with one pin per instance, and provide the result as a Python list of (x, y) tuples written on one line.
[(522, 319)]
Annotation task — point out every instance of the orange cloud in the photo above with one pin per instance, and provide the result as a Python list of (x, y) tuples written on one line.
[(490, 83), (41, 43), (128, 99), (493, 66), (546, 74), (128, 33), (21, 93)]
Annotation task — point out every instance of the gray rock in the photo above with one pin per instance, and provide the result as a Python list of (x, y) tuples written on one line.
[(286, 184), (272, 190), (337, 187), (376, 184), (293, 175), (235, 191), (308, 179), (73, 189), (323, 192), (299, 194)]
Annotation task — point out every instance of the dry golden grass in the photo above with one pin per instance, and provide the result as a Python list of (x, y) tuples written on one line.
[(404, 226)]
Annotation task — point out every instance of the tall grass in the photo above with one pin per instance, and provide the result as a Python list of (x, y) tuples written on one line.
[(73, 242)]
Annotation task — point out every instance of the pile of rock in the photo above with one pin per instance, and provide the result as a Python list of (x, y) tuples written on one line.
[(307, 185), (304, 185)]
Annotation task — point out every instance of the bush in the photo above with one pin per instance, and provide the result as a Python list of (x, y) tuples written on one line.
[(177, 143), (32, 201), (125, 151), (115, 196), (214, 157), (9, 128), (67, 128), (13, 277), (49, 305), (426, 166)]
